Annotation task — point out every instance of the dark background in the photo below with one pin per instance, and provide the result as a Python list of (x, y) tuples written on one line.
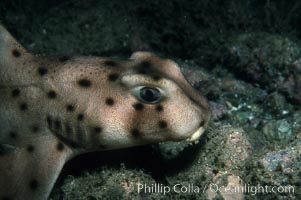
[(185, 29)]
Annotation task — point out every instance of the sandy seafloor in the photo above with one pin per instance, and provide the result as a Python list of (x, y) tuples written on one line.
[(244, 56)]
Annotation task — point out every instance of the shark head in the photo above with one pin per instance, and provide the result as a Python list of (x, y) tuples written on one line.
[(109, 104)]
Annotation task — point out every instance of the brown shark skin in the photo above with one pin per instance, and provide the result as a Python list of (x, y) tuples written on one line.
[(53, 109)]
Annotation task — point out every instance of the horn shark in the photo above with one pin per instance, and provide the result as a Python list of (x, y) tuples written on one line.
[(53, 109)]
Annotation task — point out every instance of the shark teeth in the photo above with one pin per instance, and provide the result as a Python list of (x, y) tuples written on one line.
[(196, 135)]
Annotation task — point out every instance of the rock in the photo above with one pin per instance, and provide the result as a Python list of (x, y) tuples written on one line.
[(278, 130), (230, 191), (236, 149), (277, 105), (119, 183), (272, 61), (170, 150), (286, 160), (218, 110), (279, 168)]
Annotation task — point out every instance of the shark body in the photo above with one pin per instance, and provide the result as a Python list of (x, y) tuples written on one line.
[(53, 109)]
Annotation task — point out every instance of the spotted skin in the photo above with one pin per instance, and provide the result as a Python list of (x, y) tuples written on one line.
[(53, 109)]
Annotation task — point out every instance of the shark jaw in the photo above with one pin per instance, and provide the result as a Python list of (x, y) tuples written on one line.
[(196, 135)]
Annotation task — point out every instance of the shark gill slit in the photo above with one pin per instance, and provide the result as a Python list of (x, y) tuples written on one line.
[(63, 131)]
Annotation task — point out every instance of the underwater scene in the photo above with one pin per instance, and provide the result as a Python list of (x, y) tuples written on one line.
[(175, 99)]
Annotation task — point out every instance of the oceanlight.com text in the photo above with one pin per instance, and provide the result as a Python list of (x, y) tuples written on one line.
[(215, 188), (250, 189)]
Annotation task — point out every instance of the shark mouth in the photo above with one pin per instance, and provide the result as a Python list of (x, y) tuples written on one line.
[(196, 135)]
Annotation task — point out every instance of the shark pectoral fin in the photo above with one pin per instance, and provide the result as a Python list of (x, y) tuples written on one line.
[(29, 172)]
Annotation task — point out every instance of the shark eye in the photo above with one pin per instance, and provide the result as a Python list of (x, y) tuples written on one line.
[(149, 95)]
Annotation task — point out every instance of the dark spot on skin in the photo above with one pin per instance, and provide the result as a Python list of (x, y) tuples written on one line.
[(159, 108), (30, 148), (156, 78), (64, 58), (142, 71), (202, 123), (70, 108), (109, 101), (138, 106), (57, 124), (6, 198), (97, 130), (113, 77), (162, 124), (80, 117), (15, 93), (35, 128), (145, 68), (52, 94), (60, 146), (110, 63), (16, 53), (84, 83), (42, 71), (33, 184), (135, 132), (13, 134), (145, 64), (23, 106)]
